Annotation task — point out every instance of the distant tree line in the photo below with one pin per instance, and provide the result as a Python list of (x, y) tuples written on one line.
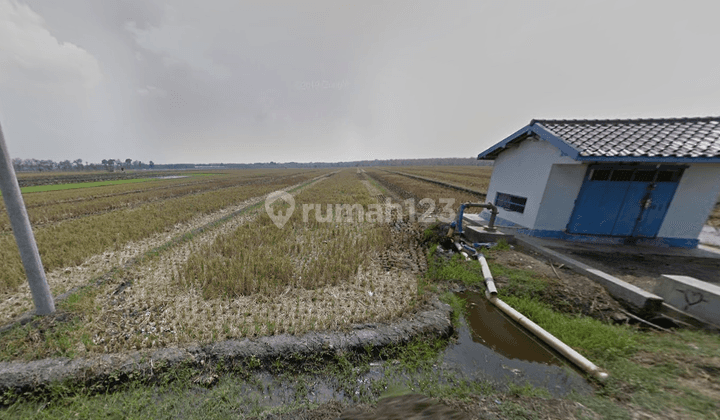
[(111, 165), (357, 163)]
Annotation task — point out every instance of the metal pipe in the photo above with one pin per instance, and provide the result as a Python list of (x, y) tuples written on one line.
[(562, 348), (24, 237), (489, 281), (493, 214)]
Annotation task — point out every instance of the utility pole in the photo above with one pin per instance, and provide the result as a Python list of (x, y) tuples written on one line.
[(24, 237)]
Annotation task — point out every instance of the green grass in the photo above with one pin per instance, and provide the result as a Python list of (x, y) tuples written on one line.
[(58, 187), (456, 303), (456, 269), (30, 342), (658, 386), (527, 390), (172, 393), (74, 185), (174, 397), (502, 245), (60, 335), (592, 338)]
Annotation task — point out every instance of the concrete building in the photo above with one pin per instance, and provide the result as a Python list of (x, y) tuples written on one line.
[(644, 181)]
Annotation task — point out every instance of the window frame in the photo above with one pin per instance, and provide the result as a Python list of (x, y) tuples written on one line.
[(510, 202)]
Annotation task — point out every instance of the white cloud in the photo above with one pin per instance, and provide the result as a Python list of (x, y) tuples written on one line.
[(31, 56)]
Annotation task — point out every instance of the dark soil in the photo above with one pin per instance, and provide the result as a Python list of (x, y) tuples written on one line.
[(645, 270), (412, 406), (567, 291), (329, 410), (416, 406)]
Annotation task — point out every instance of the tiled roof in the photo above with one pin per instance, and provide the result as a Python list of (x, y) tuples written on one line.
[(659, 138)]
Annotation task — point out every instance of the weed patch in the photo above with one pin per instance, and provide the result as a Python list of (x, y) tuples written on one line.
[(454, 269), (456, 303)]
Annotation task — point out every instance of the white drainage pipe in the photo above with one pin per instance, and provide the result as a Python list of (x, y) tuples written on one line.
[(548, 338), (489, 282)]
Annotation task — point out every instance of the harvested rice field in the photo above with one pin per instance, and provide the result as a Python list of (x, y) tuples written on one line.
[(173, 262), (474, 177)]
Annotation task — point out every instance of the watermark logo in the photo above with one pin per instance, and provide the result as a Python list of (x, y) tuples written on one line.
[(426, 211), (279, 218)]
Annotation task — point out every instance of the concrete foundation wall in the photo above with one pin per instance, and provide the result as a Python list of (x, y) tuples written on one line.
[(558, 201), (694, 199), (523, 171)]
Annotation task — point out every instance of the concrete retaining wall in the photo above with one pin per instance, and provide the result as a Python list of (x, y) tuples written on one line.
[(643, 302), (696, 297)]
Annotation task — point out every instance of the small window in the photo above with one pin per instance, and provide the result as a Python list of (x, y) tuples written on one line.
[(510, 202), (644, 176), (600, 175), (621, 175)]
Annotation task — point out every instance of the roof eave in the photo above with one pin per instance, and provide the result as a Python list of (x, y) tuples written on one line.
[(650, 159), (497, 148), (532, 128)]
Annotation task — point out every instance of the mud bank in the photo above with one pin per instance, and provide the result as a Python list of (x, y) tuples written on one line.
[(432, 320)]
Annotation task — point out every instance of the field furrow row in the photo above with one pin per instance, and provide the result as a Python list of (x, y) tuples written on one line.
[(473, 177), (254, 278), (69, 243), (14, 302), (53, 212)]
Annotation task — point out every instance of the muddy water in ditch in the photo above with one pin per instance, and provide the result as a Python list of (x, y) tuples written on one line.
[(489, 347), (492, 347), (491, 327)]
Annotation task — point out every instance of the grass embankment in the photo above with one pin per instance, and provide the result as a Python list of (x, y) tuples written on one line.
[(71, 242), (669, 375), (240, 390)]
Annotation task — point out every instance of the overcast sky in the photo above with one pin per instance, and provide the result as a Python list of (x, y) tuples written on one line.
[(241, 81)]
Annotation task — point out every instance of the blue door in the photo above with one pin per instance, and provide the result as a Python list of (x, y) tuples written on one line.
[(630, 210), (624, 201), (598, 204), (655, 209)]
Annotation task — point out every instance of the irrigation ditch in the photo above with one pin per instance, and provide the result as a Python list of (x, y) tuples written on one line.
[(19, 377)]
